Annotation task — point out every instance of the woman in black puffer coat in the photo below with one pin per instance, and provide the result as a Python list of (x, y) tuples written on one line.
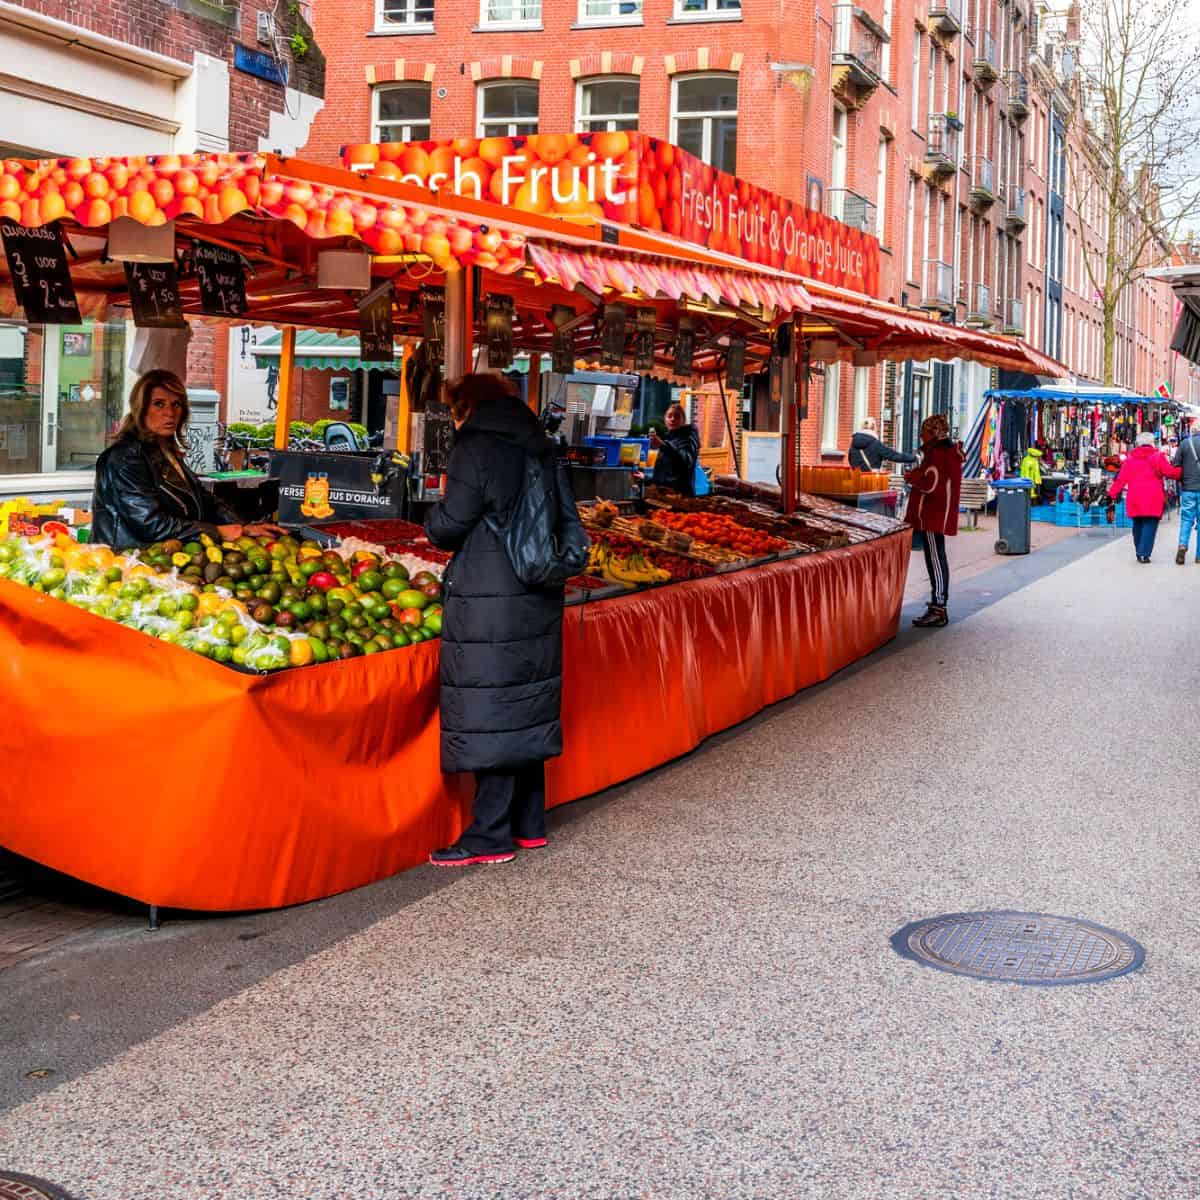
[(501, 651)]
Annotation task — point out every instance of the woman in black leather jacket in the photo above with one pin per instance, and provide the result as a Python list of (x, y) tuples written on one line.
[(144, 490)]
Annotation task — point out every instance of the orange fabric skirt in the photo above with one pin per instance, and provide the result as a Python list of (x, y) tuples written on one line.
[(142, 768)]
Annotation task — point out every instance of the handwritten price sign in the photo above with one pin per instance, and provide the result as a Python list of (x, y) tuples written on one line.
[(154, 295), (41, 276), (221, 274)]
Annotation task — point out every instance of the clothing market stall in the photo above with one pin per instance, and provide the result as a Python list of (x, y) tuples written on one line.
[(297, 675)]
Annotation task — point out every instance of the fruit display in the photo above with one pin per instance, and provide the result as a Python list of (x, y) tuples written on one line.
[(719, 529), (633, 559), (257, 603)]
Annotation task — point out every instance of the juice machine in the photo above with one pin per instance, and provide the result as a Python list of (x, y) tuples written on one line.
[(593, 411)]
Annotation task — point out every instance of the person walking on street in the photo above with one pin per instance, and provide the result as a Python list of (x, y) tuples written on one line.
[(1187, 459), (935, 484), (868, 453), (501, 650), (1142, 474)]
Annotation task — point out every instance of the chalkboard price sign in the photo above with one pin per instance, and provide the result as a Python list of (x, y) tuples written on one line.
[(222, 277), (154, 295), (643, 341), (500, 331), (612, 342), (433, 320), (735, 364), (685, 347), (375, 329), (41, 278)]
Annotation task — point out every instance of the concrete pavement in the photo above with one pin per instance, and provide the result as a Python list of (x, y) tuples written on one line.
[(691, 992)]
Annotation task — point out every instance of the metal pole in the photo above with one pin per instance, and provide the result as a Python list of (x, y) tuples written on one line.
[(458, 323), (154, 918), (787, 413), (287, 365), (737, 463)]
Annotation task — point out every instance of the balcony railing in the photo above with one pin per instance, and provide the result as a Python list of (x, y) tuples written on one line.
[(941, 146), (946, 16), (857, 45), (984, 61), (1014, 317), (979, 305), (937, 290), (1016, 208), (983, 182), (850, 208), (1018, 94)]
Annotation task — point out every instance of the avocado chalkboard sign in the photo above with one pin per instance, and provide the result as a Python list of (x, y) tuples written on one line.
[(221, 274), (154, 295), (41, 277), (375, 326)]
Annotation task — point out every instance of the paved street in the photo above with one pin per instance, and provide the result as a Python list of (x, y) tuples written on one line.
[(691, 992)]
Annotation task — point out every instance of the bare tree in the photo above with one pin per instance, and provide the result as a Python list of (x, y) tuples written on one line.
[(1133, 139)]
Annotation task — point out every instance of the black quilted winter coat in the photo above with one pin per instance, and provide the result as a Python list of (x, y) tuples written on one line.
[(501, 651)]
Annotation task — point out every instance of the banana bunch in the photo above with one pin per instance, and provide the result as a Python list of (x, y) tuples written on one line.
[(633, 570)]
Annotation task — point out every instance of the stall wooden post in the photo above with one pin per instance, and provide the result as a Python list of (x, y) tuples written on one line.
[(533, 386), (458, 322), (283, 406), (401, 421)]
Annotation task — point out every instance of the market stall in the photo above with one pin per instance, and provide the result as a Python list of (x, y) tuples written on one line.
[(254, 723)]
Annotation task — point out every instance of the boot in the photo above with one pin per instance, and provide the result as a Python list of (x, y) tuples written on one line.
[(1181, 556), (935, 617)]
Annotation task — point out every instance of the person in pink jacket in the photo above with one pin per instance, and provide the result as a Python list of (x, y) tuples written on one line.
[(1141, 477)]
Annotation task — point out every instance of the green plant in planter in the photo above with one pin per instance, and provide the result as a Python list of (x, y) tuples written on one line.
[(299, 45)]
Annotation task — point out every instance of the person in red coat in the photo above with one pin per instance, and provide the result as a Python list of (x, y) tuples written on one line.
[(1141, 477), (934, 486)]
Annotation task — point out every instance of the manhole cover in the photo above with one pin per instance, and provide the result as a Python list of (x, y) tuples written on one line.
[(26, 1187), (1019, 947)]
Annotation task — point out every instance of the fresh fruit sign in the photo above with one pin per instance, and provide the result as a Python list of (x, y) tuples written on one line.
[(636, 180)]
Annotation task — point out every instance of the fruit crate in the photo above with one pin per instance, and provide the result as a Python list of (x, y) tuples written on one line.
[(1044, 513), (1072, 515)]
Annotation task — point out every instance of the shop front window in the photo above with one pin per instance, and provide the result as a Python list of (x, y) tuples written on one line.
[(62, 393)]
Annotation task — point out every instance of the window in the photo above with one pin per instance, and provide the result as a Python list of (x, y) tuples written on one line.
[(605, 105), (400, 112), (507, 108), (511, 12), (881, 166), (399, 16), (710, 9), (829, 408), (885, 60), (911, 218), (862, 392), (610, 12), (704, 118), (837, 172), (916, 80)]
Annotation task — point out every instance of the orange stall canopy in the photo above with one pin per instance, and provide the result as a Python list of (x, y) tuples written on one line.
[(140, 767)]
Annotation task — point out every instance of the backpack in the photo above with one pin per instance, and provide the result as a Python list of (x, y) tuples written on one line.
[(544, 539)]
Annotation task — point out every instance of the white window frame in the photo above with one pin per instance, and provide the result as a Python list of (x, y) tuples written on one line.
[(885, 55), (481, 89), (522, 22), (706, 117), (610, 119), (583, 17), (411, 23), (831, 399), (881, 180), (916, 82), (839, 136), (710, 12), (911, 211), (862, 395), (412, 129)]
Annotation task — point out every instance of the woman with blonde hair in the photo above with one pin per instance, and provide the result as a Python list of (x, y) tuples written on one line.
[(145, 492)]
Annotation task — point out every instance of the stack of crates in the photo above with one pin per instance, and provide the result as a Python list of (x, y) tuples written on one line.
[(1073, 515)]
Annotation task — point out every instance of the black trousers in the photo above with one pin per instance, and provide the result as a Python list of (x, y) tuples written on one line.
[(938, 568), (507, 805)]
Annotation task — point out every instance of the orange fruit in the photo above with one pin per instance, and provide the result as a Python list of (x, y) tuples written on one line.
[(31, 212), (387, 170), (118, 176), (464, 147), (186, 183), (549, 147), (388, 241), (79, 168), (296, 214), (53, 207), (339, 223), (610, 145), (96, 185), (10, 209), (494, 149), (529, 199), (10, 187), (141, 206), (232, 200), (190, 205), (96, 212), (437, 247), (163, 191), (414, 161)]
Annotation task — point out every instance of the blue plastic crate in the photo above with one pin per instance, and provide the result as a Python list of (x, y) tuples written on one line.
[(1042, 512)]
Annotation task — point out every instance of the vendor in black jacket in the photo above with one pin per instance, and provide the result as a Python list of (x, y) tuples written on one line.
[(868, 453), (675, 467), (144, 490), (501, 648)]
